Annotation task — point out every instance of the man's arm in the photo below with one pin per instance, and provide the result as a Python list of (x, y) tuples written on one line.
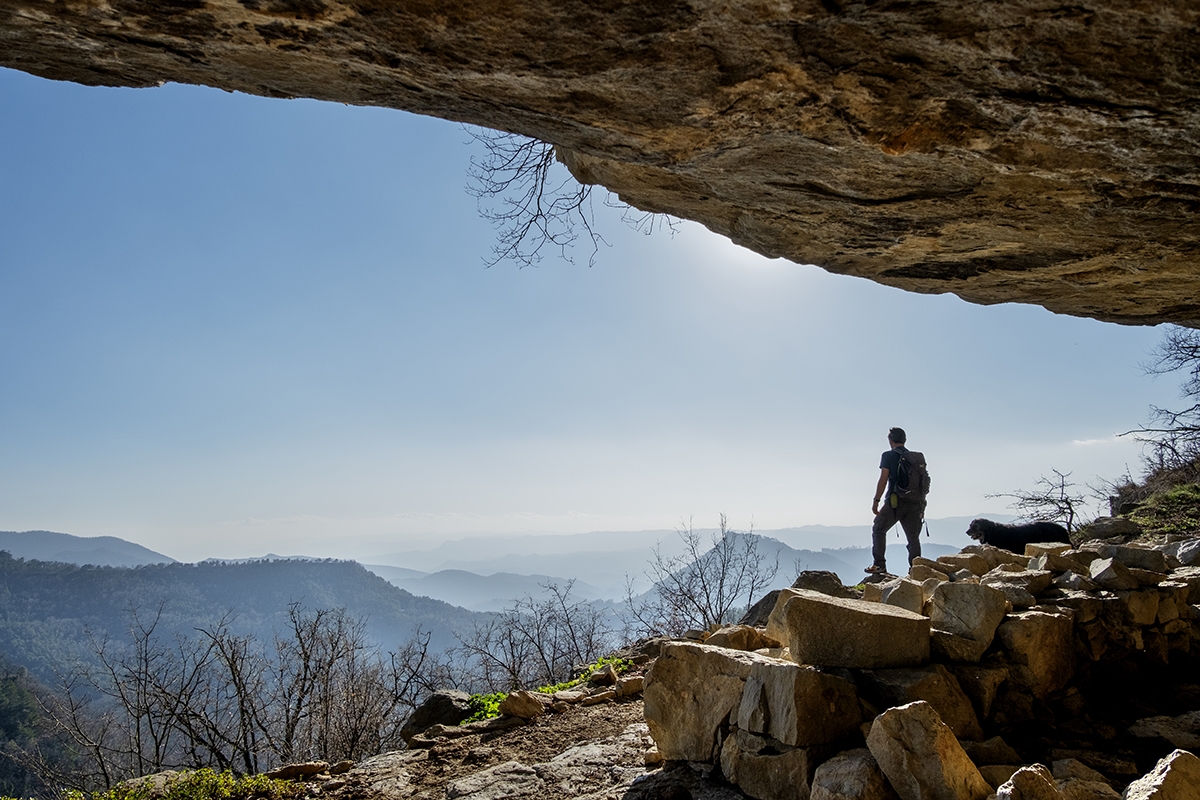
[(879, 489)]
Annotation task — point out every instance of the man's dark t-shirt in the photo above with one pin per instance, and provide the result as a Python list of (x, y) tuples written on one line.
[(890, 461)]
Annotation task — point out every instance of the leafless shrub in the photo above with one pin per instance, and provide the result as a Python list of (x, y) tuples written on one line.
[(536, 641), (713, 581), (1172, 437), (216, 699), (1051, 500), (519, 191)]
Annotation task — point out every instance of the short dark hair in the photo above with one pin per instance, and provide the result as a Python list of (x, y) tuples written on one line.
[(896, 435)]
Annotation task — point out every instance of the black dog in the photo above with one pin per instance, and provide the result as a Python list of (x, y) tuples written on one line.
[(1015, 537)]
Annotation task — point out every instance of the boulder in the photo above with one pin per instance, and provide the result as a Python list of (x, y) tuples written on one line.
[(993, 751), (1029, 783), (852, 775), (443, 707), (981, 684), (1076, 789), (1137, 557), (1046, 548), (1109, 528), (1075, 581), (921, 758), (903, 593), (1056, 563), (798, 705), (758, 614), (690, 693), (953, 562), (630, 686), (872, 592), (1034, 581), (1141, 607), (297, 772), (606, 675), (970, 613), (524, 704), (1041, 648), (823, 581), (1112, 575), (997, 775), (995, 556), (833, 632), (1175, 777), (776, 624), (1064, 769), (1146, 577), (1188, 552), (934, 685), (1182, 732), (760, 771), (741, 637), (921, 572)]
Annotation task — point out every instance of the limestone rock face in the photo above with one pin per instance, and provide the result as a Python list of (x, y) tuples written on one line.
[(798, 706), (1041, 646), (690, 693), (991, 150), (832, 632), (921, 758), (443, 707), (1175, 777), (934, 685), (1029, 783), (852, 775), (970, 613)]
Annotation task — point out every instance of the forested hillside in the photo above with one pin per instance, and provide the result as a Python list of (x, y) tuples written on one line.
[(48, 609)]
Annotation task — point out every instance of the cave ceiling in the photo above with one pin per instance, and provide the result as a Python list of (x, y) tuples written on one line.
[(1019, 151)]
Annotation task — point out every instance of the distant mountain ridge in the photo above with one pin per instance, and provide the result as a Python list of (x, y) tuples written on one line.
[(48, 609), (101, 551)]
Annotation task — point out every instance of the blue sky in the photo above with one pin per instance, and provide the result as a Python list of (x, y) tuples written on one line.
[(233, 325)]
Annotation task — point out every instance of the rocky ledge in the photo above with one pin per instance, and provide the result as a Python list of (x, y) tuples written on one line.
[(1057, 673), (1021, 151)]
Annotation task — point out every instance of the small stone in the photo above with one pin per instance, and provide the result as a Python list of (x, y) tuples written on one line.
[(341, 767), (605, 676), (602, 696), (630, 686)]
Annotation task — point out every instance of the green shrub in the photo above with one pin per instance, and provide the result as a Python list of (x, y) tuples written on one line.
[(202, 784), (620, 664), (1176, 510), (484, 706)]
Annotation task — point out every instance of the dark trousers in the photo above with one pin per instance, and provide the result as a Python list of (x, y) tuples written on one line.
[(909, 515)]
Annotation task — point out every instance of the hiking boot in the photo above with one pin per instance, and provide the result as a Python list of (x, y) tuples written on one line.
[(875, 569)]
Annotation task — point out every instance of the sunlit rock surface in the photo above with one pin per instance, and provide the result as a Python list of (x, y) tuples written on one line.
[(1023, 151)]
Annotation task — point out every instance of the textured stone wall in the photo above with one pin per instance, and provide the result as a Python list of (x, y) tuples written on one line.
[(1026, 151)]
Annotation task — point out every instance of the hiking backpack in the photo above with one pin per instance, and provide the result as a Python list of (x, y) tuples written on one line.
[(912, 472)]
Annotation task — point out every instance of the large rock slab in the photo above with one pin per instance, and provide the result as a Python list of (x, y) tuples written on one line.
[(443, 707), (934, 151), (1175, 777), (1029, 783), (933, 684), (798, 705), (1041, 647), (833, 632), (970, 613), (764, 773), (690, 694), (852, 775), (921, 757)]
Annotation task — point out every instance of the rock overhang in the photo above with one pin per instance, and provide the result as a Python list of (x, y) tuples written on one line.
[(1018, 152)]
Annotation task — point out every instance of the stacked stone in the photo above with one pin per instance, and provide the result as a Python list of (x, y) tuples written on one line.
[(918, 669)]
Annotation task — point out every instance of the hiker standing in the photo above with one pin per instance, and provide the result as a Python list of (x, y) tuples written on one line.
[(903, 475)]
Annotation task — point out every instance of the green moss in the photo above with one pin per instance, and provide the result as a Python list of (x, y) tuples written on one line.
[(1176, 510), (202, 784), (619, 664), (484, 706)]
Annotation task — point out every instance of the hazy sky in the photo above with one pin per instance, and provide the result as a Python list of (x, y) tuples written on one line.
[(233, 325)]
